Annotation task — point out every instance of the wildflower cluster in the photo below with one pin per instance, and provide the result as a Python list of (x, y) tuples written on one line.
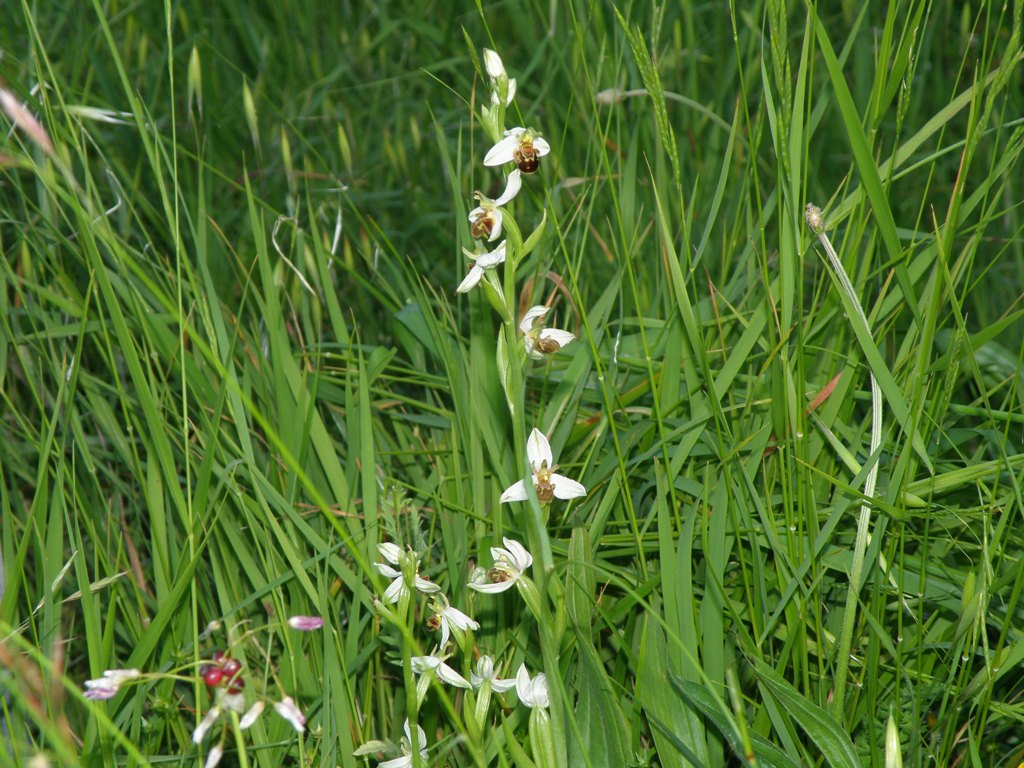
[(455, 626), (224, 678)]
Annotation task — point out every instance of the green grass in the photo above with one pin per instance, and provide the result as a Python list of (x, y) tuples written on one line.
[(233, 362)]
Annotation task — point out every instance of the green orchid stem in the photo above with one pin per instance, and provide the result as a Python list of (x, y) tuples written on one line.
[(532, 521), (405, 615), (817, 225)]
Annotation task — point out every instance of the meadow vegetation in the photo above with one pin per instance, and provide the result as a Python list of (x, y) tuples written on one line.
[(283, 496)]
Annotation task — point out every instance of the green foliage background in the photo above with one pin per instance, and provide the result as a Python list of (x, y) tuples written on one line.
[(232, 362)]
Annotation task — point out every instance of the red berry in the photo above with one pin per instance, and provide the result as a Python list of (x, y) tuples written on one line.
[(213, 676), (236, 685), (218, 656), (231, 668)]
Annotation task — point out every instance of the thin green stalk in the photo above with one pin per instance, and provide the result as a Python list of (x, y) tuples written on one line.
[(817, 225)]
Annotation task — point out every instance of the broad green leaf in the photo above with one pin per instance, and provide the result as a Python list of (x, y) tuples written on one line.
[(820, 727)]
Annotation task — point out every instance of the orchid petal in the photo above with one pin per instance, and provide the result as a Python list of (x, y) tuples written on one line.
[(494, 587), (426, 586), (532, 314), (386, 570), (394, 591), (512, 187), (469, 281), (450, 676), (520, 554), (538, 450), (391, 552), (503, 151), (405, 761), (515, 492), (566, 488), (557, 335)]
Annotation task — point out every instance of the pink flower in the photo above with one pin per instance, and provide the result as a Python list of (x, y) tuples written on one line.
[(287, 709), (305, 623), (106, 687)]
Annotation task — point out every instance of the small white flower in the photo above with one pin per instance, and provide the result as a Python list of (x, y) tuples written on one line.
[(532, 693), (521, 146), (485, 671), (423, 665), (485, 220), (540, 341), (287, 709), (446, 618), (213, 756), (305, 623), (484, 262), (509, 565), (204, 725), (405, 761), (393, 554), (106, 687), (251, 716), (547, 483)]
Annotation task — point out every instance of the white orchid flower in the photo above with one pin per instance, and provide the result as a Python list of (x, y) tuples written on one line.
[(394, 555), (423, 665), (538, 339), (521, 146), (485, 219), (405, 761), (485, 671), (509, 564), (547, 483), (446, 618), (484, 262), (533, 693)]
